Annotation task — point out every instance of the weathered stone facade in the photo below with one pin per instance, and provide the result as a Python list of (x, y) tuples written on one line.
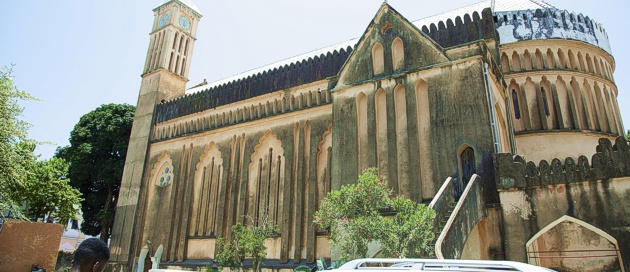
[(433, 105)]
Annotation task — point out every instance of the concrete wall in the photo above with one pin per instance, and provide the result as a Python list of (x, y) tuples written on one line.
[(23, 244)]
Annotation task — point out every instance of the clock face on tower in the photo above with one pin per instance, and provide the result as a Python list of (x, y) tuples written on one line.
[(184, 22), (163, 20)]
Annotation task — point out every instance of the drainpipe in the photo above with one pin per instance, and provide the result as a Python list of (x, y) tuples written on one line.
[(495, 134)]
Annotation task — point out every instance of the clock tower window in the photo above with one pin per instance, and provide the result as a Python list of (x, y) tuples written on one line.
[(176, 65), (175, 40), (181, 42), (183, 67), (170, 62)]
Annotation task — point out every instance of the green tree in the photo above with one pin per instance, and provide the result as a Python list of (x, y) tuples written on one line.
[(628, 135), (13, 133), (247, 241), (354, 217), (97, 151), (47, 191)]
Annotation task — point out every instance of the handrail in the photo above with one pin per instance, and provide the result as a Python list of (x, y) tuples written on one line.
[(438, 196), (465, 195)]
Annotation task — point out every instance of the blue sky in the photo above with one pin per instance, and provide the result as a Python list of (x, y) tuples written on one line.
[(77, 55)]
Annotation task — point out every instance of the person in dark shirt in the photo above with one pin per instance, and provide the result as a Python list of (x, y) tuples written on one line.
[(91, 256)]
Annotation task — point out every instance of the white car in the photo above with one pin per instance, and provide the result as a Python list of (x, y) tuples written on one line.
[(373, 265)]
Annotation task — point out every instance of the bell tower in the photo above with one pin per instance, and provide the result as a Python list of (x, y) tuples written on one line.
[(173, 37), (164, 77)]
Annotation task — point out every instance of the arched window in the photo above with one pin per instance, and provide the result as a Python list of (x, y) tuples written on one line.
[(181, 43), (402, 141), (398, 54), (561, 59), (207, 179), (467, 162), (175, 40), (176, 65), (324, 156), (589, 63), (539, 60), (378, 61), (183, 67), (362, 131), (170, 63), (572, 63), (266, 180), (423, 113), (517, 109), (516, 62), (380, 106), (528, 60), (551, 62), (544, 99), (505, 63)]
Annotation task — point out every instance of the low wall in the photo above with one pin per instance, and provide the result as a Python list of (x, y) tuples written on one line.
[(594, 193), (23, 244)]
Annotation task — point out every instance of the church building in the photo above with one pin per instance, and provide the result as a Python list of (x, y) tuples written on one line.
[(502, 116)]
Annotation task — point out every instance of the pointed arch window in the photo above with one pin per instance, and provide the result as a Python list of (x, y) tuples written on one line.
[(467, 158), (162, 173), (378, 59), (544, 99), (517, 109), (266, 181), (398, 54)]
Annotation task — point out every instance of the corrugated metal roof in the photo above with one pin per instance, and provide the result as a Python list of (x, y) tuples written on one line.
[(298, 58), (499, 6)]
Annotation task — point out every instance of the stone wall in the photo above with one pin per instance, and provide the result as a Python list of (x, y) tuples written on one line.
[(534, 196), (212, 185)]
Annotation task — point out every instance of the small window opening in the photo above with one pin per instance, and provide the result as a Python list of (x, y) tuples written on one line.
[(544, 98), (517, 110)]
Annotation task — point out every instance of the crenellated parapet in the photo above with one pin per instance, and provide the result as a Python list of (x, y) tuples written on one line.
[(281, 78), (610, 161), (541, 24), (463, 30)]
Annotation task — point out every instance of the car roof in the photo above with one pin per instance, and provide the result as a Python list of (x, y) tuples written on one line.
[(438, 265)]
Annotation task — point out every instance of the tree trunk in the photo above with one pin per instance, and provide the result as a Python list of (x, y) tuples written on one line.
[(106, 223)]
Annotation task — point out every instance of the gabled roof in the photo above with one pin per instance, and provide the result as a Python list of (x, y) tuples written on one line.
[(354, 70), (500, 6)]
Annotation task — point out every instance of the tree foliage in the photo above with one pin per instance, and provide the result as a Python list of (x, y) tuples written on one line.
[(354, 217), (97, 151), (47, 191), (628, 135), (246, 242), (14, 159)]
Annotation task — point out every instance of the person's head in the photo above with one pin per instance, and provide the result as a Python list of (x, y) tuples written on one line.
[(91, 256)]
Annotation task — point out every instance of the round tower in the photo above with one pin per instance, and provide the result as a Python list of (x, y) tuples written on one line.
[(559, 69)]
